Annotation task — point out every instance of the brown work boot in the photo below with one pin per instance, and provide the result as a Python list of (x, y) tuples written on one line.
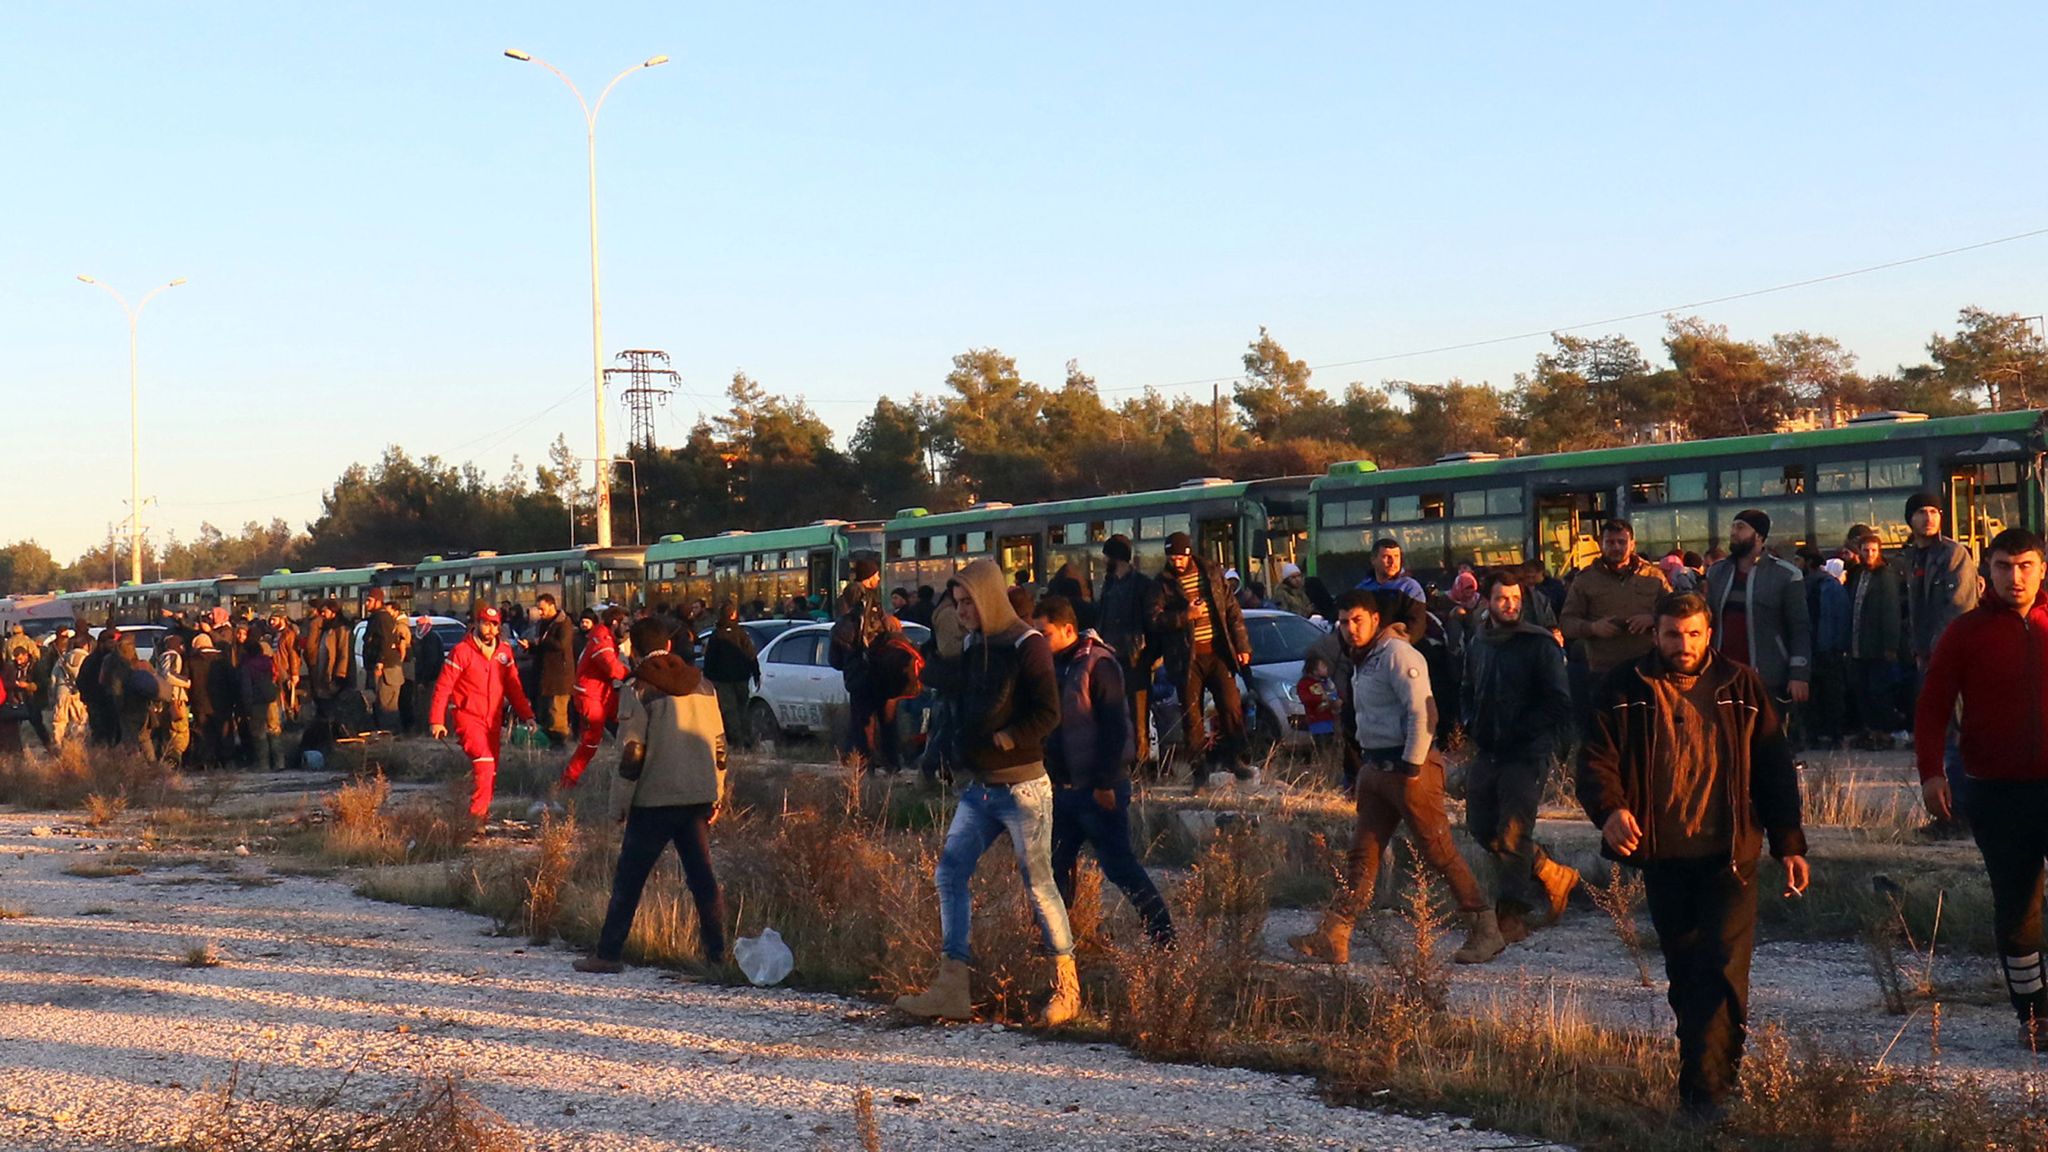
[(1066, 994), (600, 966), (1558, 882), (1330, 943), (1482, 939), (947, 998)]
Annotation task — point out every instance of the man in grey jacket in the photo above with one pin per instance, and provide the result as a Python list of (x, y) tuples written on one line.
[(1760, 614), (1942, 584), (1387, 717)]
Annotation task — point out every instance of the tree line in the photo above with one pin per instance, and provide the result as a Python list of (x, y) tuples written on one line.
[(989, 433)]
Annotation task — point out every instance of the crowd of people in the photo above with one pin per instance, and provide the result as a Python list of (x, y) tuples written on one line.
[(1684, 685)]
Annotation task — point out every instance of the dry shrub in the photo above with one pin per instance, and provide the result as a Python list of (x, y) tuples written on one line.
[(434, 1114), (1196, 999), (365, 828), (65, 779), (15, 912), (1618, 898), (550, 875), (200, 954), (101, 810), (100, 870)]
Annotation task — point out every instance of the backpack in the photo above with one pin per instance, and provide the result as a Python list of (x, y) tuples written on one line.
[(143, 684), (898, 667)]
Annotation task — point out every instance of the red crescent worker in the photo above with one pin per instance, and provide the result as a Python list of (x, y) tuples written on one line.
[(598, 672), (479, 679)]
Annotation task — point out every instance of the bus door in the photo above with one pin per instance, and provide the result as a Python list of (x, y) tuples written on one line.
[(1568, 528), (1217, 540), (1016, 554), (1983, 500), (1276, 541), (821, 578)]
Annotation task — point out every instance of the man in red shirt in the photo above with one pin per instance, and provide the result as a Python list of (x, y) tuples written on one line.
[(479, 680), (1994, 659)]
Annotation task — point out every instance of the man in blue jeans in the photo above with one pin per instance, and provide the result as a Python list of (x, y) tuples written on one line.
[(1086, 759), (1007, 704)]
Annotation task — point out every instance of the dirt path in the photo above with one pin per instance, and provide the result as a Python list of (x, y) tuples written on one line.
[(106, 1039)]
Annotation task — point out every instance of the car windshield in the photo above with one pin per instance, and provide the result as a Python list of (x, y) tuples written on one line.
[(1279, 639)]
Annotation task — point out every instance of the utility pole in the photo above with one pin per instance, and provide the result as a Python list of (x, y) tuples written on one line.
[(1215, 420)]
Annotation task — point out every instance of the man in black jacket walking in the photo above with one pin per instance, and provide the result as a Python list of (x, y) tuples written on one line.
[(1196, 626), (1686, 771), (1518, 703), (554, 667)]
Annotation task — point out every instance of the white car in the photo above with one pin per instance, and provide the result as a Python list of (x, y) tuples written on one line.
[(800, 690), (147, 637), (1280, 641)]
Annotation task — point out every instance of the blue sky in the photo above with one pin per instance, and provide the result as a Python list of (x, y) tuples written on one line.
[(382, 219)]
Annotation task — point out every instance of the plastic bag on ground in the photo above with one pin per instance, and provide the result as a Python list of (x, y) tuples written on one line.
[(765, 959)]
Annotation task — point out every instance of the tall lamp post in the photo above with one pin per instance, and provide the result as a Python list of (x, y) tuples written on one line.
[(134, 422), (590, 111)]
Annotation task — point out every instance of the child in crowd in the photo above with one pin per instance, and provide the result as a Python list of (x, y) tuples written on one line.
[(1318, 701)]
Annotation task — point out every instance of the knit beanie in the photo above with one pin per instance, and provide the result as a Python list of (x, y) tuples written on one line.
[(1117, 548), (1756, 518), (1180, 544), (984, 582), (1919, 500)]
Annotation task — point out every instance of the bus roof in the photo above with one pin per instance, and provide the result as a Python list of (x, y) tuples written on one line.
[(741, 543), (321, 577), (529, 559), (1122, 502), (2023, 423)]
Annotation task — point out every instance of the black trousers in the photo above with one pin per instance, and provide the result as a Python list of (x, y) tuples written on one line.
[(1502, 795), (2010, 823), (1705, 915), (1213, 671), (649, 832)]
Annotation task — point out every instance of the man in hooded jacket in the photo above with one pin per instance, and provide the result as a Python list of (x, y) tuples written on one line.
[(1009, 705)]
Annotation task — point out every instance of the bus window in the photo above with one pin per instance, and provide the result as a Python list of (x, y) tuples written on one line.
[(1016, 554)]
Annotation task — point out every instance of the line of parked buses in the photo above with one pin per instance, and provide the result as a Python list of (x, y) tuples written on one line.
[(1471, 508)]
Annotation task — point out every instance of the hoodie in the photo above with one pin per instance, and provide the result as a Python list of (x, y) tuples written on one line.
[(1004, 683), (1994, 659), (676, 722)]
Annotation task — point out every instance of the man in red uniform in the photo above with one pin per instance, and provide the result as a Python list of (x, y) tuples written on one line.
[(479, 679), (598, 672), (1992, 659)]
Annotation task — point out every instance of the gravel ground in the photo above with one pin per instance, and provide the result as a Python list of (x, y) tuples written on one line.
[(108, 1041)]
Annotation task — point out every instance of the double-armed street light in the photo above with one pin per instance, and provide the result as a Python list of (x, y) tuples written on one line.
[(134, 421), (590, 111)]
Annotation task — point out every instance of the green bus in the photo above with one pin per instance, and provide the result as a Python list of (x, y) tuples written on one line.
[(579, 578), (1484, 510), (153, 602), (810, 563), (1253, 526), (296, 592)]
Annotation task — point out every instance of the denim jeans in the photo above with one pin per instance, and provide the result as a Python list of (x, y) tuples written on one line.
[(649, 832), (986, 811), (1077, 820)]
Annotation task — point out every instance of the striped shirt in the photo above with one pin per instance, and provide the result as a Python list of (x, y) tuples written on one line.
[(1205, 628)]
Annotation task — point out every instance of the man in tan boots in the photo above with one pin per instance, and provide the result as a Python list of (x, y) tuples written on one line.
[(1387, 716), (1007, 703), (1518, 704)]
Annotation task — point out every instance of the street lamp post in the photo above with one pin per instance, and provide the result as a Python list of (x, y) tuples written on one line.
[(134, 421), (590, 111)]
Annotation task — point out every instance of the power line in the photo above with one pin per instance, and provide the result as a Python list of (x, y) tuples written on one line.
[(1645, 313)]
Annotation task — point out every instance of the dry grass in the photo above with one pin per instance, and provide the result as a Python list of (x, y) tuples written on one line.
[(842, 867), (364, 827), (100, 869), (201, 954), (433, 1114), (101, 811), (12, 912), (1855, 797), (66, 779)]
